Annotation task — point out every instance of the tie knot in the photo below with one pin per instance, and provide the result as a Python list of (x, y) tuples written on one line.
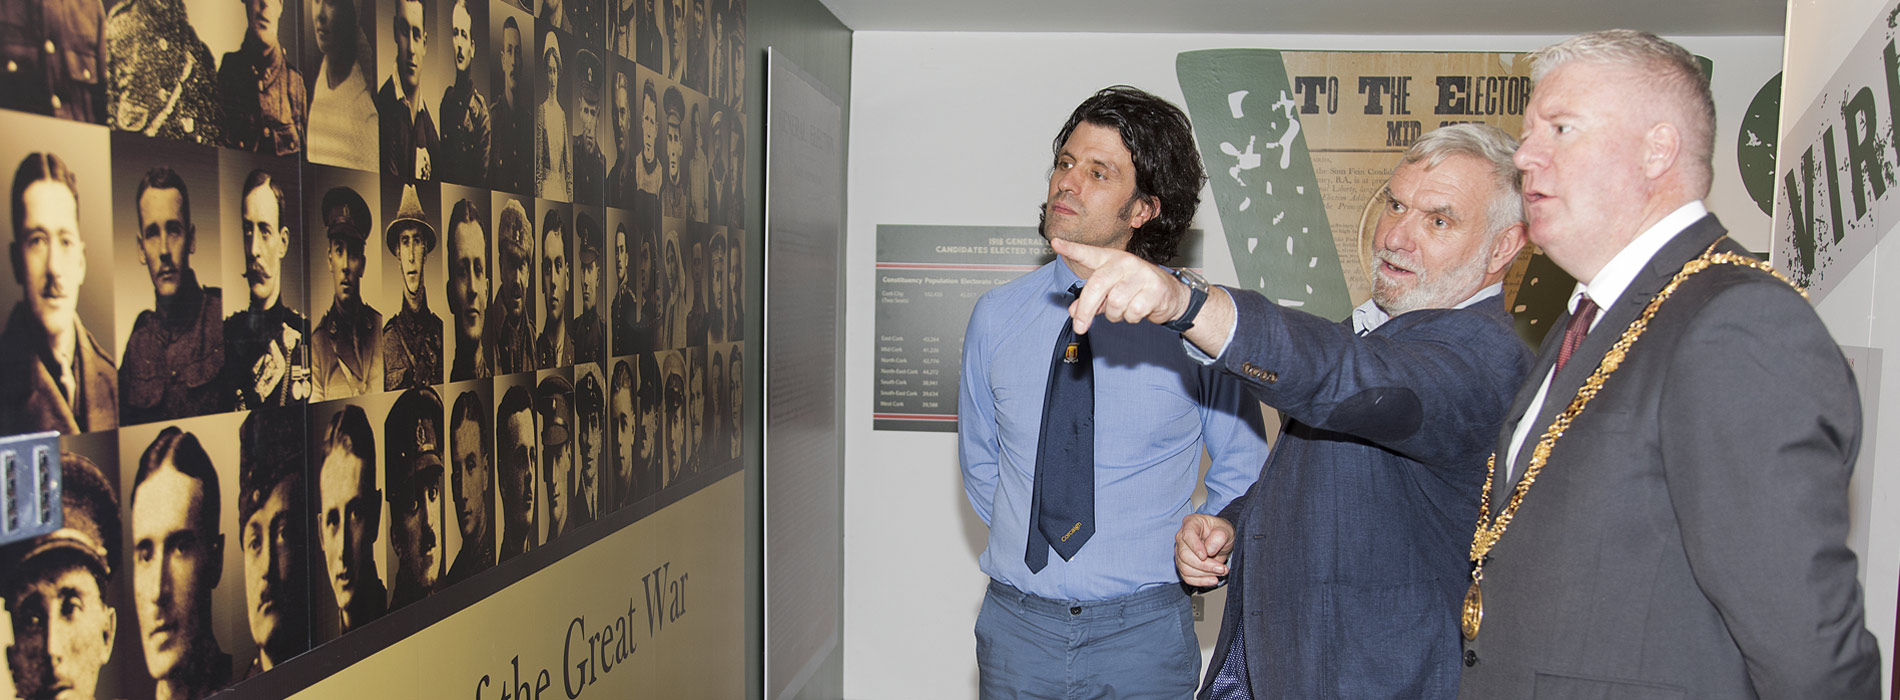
[(1586, 310), (1075, 290)]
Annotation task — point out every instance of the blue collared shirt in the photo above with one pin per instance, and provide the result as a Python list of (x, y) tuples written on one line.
[(1154, 410)]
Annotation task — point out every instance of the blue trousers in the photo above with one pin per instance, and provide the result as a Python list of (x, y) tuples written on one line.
[(1140, 645)]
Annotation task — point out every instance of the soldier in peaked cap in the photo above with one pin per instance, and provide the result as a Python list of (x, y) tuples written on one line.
[(54, 587), (271, 535), (590, 165), (554, 402), (589, 407), (344, 354), (589, 346), (412, 341), (412, 463), (508, 326)]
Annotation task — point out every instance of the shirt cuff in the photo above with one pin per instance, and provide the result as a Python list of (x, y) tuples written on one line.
[(1195, 353)]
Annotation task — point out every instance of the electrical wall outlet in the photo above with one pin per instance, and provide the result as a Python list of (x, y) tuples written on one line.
[(29, 486)]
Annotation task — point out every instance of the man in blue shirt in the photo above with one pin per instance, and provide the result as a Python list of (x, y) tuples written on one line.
[(1110, 618), (1346, 562)]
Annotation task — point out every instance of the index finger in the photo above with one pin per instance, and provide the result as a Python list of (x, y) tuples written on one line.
[(1087, 304), (1083, 254)]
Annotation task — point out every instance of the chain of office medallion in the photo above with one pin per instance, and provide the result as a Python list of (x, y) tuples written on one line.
[(1490, 531)]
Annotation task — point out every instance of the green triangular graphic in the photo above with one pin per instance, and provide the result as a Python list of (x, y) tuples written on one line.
[(1262, 174)]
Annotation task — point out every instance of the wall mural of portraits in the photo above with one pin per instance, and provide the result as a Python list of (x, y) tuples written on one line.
[(462, 277)]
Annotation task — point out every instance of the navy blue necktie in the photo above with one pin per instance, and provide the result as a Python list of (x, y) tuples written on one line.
[(1062, 504)]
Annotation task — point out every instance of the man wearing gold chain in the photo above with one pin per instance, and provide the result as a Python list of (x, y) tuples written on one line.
[(1667, 513), (1344, 562)]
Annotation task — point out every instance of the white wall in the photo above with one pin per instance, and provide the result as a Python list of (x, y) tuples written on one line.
[(954, 128), (1820, 36)]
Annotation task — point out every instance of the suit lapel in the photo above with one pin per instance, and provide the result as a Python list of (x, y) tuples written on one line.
[(1564, 385)]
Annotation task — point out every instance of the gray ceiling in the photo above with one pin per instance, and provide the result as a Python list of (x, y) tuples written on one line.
[(1706, 17)]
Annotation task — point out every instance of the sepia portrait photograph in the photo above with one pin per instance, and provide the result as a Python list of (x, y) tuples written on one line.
[(589, 77), (511, 313), (414, 483), (465, 112), (346, 283), (471, 483), (554, 295), (735, 284), (563, 496), (553, 156), (511, 102), (340, 48), (620, 110), (64, 594), (598, 491), (59, 365), (267, 323), (517, 464), (173, 328), (470, 281), (412, 52), (349, 588), (588, 326), (634, 306), (409, 241), (217, 539)]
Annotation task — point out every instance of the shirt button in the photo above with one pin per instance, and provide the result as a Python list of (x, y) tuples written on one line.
[(1075, 610), (1471, 658)]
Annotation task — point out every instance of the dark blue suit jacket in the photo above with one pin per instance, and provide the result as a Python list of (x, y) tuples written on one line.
[(1350, 559)]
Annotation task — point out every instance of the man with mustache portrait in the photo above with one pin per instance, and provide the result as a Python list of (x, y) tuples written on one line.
[(412, 478), (53, 374), (465, 134), (264, 345), (176, 349)]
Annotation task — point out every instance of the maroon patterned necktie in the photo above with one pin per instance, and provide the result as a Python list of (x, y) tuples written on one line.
[(1574, 332)]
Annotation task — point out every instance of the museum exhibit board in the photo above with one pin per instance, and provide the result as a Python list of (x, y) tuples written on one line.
[(407, 322)]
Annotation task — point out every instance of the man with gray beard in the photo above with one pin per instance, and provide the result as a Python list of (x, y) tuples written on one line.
[(1356, 529)]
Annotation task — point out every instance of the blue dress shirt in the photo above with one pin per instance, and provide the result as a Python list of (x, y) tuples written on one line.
[(1154, 410)]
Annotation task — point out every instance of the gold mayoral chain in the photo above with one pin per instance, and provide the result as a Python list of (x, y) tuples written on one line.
[(1490, 530)]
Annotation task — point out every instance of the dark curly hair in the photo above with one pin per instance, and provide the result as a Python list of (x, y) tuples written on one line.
[(1160, 141)]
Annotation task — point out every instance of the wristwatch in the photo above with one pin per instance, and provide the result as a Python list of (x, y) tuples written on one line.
[(1197, 295)]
